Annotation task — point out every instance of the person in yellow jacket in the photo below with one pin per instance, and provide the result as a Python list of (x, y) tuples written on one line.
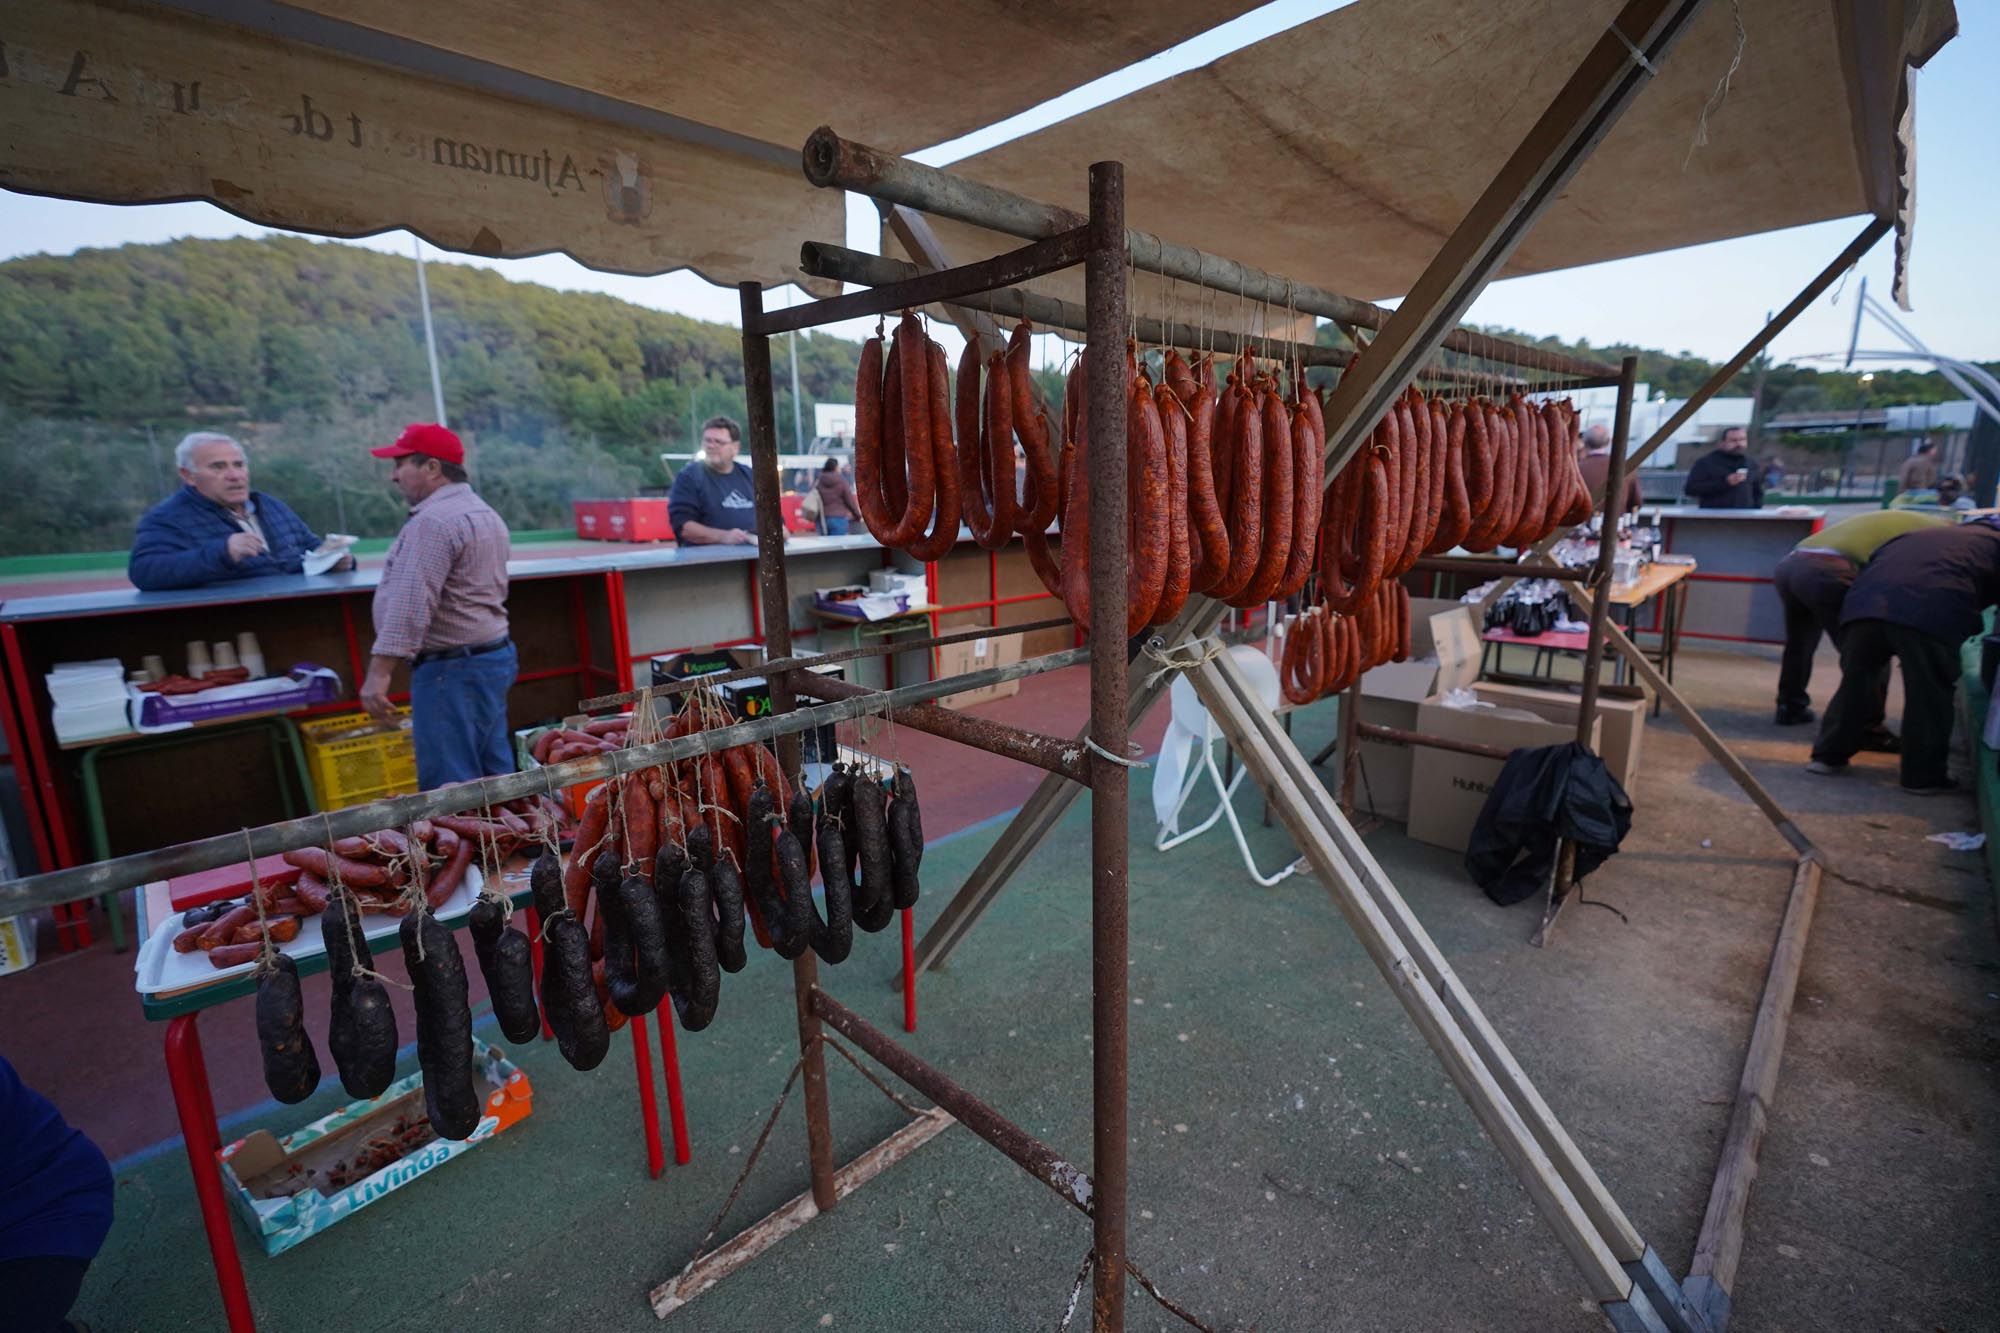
[(1812, 584)]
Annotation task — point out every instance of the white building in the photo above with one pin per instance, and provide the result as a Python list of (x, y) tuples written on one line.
[(1650, 413)]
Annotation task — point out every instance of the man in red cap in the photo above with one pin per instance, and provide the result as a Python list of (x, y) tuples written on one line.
[(442, 607)]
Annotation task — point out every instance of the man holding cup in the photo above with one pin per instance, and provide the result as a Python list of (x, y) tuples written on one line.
[(1723, 478)]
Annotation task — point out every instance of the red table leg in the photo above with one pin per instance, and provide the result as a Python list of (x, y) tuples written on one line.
[(188, 1075), (533, 921), (649, 1108), (909, 970), (670, 1057)]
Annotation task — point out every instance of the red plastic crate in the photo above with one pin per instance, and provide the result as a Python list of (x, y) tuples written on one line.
[(637, 520)]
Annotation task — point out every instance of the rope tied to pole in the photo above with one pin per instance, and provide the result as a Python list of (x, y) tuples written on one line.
[(1205, 651), (1091, 745)]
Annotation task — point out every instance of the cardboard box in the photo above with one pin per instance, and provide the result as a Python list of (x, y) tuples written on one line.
[(637, 520), (292, 1188), (749, 697), (1448, 788), (17, 943), (1621, 722), (956, 659), (1390, 695)]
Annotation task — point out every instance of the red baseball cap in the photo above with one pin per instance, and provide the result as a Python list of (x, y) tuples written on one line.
[(427, 438)]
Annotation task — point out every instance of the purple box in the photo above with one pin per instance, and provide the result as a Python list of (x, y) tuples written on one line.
[(310, 685)]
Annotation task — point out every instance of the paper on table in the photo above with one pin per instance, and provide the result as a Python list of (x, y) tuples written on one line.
[(328, 553)]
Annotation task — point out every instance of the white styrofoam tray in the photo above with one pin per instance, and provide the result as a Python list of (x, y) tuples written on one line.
[(158, 968)]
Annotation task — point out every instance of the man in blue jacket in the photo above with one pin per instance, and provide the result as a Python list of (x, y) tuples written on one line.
[(713, 501), (215, 527)]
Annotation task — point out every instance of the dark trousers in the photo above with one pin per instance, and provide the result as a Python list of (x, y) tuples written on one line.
[(1811, 589), (40, 1291), (1930, 677)]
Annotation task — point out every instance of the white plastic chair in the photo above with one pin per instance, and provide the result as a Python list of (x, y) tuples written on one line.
[(1190, 725)]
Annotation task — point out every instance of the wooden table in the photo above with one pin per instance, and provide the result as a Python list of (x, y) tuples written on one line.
[(1667, 582)]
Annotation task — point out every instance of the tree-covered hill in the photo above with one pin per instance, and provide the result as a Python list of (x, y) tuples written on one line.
[(311, 351), (308, 351)]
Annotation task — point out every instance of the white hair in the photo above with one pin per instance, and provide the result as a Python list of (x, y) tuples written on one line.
[(193, 440)]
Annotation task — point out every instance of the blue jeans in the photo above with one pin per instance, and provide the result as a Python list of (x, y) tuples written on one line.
[(835, 527), (458, 710)]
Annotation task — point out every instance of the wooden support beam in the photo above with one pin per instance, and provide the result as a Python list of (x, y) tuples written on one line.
[(761, 1235), (1720, 1246), (1714, 744), (1309, 814), (1729, 370), (1612, 1224), (1583, 112)]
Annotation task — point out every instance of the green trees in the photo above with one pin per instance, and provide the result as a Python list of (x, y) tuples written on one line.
[(311, 351)]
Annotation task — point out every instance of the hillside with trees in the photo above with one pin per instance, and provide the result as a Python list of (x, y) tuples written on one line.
[(310, 351)]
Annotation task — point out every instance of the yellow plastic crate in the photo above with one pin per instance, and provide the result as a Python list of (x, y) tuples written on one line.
[(351, 764)]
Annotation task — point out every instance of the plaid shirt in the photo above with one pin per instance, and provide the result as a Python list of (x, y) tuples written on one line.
[(445, 585)]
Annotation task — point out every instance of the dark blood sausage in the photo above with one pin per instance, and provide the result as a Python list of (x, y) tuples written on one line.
[(362, 1035), (795, 892), (836, 805), (758, 885), (695, 1005), (569, 996), (291, 1069), (868, 435), (874, 897), (725, 887), (799, 819), (646, 934), (621, 978), (1041, 492), (833, 934), (444, 1025), (906, 840), (507, 963)]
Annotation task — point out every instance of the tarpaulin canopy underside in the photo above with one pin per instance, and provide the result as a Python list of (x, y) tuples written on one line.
[(1343, 152), (276, 121)]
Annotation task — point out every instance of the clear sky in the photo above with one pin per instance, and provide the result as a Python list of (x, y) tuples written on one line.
[(1706, 299)]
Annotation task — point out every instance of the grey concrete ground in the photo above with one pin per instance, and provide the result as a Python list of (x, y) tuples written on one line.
[(1299, 1159)]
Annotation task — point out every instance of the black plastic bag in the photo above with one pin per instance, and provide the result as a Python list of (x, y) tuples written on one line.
[(1542, 796)]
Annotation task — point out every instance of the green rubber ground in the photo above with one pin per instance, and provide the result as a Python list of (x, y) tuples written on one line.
[(1299, 1161)]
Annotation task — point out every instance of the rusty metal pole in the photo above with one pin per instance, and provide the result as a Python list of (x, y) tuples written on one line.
[(1350, 746), (775, 599), (1105, 299), (1607, 548), (1600, 609)]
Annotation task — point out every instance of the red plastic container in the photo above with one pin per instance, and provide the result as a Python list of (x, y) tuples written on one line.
[(637, 520), (230, 881)]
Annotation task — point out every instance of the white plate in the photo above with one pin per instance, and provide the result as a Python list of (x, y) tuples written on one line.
[(157, 967)]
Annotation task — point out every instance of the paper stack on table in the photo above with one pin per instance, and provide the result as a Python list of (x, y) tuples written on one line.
[(89, 699), (328, 553)]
